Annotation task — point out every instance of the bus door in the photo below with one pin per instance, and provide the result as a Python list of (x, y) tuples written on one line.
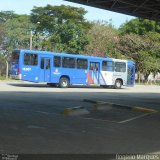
[(130, 73), (94, 70), (45, 69)]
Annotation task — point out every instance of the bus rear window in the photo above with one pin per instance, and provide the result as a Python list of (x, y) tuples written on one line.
[(15, 56)]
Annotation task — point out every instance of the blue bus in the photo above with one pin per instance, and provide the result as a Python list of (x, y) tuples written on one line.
[(63, 69)]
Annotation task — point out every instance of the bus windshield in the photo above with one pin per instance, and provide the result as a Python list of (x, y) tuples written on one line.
[(15, 56)]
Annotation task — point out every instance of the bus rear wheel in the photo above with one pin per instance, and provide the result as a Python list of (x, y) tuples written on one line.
[(118, 84), (64, 82)]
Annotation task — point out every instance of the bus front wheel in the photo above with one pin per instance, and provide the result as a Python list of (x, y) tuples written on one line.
[(118, 84), (64, 82)]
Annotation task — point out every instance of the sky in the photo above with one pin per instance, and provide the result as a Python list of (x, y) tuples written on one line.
[(25, 7)]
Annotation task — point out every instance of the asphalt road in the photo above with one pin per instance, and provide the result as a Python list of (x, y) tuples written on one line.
[(32, 120)]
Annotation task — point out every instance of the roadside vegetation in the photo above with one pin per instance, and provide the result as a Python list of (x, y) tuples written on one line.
[(2, 78), (64, 29)]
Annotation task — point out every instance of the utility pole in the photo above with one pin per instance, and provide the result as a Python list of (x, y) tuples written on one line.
[(31, 38), (30, 46)]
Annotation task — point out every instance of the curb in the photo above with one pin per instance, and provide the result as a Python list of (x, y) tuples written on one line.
[(75, 111), (92, 101), (98, 105), (144, 110), (103, 106)]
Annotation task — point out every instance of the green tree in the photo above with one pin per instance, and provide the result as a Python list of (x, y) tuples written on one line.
[(6, 15), (63, 27), (140, 26), (69, 38), (103, 38), (16, 33), (2, 65), (2, 35), (155, 43), (140, 49), (140, 40)]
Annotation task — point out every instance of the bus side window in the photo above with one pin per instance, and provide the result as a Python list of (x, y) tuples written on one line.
[(82, 63), (33, 59), (104, 66), (91, 66), (110, 66), (120, 67), (30, 59), (57, 61), (42, 63), (68, 62), (26, 59)]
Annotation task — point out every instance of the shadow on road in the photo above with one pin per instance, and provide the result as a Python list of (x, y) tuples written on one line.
[(31, 121), (40, 85)]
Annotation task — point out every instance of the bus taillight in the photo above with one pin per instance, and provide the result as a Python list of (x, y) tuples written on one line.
[(18, 71)]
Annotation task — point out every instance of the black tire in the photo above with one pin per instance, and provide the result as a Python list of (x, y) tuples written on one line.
[(64, 82), (118, 84)]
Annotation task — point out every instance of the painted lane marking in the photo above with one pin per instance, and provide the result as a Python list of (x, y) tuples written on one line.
[(137, 117)]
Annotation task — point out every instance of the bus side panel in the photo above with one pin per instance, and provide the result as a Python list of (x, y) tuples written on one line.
[(30, 73), (80, 77), (106, 78), (56, 74), (76, 76)]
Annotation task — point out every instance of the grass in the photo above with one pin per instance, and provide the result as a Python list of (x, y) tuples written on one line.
[(158, 83), (3, 78), (153, 83)]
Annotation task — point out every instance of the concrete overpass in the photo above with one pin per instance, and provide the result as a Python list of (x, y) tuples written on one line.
[(149, 9)]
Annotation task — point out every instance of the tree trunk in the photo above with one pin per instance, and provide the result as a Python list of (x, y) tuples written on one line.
[(139, 77), (6, 69)]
